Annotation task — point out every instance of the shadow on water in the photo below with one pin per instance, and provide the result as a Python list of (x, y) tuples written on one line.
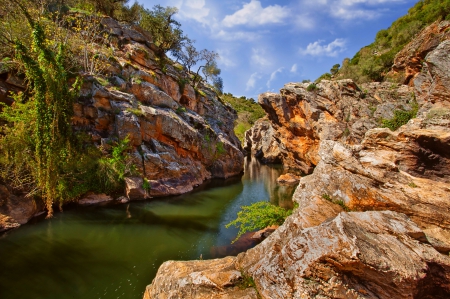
[(115, 250)]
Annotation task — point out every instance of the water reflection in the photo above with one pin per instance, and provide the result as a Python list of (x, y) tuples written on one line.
[(114, 251)]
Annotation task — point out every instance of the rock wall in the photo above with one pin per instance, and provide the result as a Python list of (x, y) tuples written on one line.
[(180, 136), (301, 116), (374, 215)]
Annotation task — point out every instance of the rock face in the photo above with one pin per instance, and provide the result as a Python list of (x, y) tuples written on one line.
[(214, 279), (374, 216), (180, 136), (408, 63), (301, 116), (16, 209)]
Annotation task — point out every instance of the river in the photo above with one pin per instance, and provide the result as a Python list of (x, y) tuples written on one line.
[(114, 250)]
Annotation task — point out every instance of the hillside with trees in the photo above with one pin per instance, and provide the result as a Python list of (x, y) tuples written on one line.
[(373, 62), (65, 63)]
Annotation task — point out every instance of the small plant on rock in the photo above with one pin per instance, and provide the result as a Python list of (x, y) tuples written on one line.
[(312, 87), (258, 216)]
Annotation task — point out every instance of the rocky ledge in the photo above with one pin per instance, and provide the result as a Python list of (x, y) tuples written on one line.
[(374, 214), (180, 135)]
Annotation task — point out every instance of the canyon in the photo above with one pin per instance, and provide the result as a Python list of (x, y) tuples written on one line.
[(373, 216)]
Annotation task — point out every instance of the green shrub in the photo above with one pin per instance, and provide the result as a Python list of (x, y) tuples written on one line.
[(312, 87), (135, 111), (112, 170), (258, 216), (401, 117), (146, 185)]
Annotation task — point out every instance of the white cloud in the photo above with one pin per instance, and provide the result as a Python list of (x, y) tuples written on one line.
[(317, 49), (273, 76), (348, 13), (236, 35), (226, 58), (260, 57), (254, 14), (252, 81), (195, 9), (294, 68)]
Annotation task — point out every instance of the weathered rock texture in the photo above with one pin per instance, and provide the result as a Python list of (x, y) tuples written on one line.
[(409, 61), (334, 110), (395, 241), (180, 136), (16, 209), (214, 279)]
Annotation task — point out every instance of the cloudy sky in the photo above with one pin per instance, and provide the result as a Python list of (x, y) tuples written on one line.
[(264, 44)]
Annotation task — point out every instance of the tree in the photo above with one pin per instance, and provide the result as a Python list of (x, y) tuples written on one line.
[(335, 69), (187, 54), (165, 30), (209, 58), (211, 71), (218, 85)]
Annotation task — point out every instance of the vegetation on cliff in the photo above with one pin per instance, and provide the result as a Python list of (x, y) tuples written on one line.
[(373, 62), (248, 112), (60, 46), (258, 216)]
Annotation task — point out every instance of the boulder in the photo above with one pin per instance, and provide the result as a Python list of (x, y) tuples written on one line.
[(213, 279), (134, 188), (298, 118), (288, 179), (92, 198), (17, 209)]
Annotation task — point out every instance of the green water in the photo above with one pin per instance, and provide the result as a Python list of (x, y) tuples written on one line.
[(114, 251)]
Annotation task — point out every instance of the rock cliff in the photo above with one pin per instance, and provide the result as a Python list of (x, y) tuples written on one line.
[(374, 214), (180, 135)]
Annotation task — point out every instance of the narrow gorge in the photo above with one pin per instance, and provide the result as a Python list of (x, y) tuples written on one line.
[(374, 204)]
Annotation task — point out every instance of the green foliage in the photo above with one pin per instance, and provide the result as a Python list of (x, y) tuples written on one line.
[(114, 168), (401, 117), (346, 132), (372, 62), (326, 76), (246, 282), (135, 111), (165, 30), (54, 108), (335, 69), (220, 149), (412, 185), (146, 185), (312, 87), (248, 113), (258, 216), (337, 201), (180, 110), (182, 84), (326, 197)]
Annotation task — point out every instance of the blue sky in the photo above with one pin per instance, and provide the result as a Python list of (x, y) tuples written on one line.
[(264, 44)]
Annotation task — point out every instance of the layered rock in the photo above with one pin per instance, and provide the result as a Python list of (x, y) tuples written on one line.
[(16, 209), (409, 61), (374, 216), (180, 136), (301, 116)]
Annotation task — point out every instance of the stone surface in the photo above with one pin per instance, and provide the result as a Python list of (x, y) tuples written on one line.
[(408, 62), (288, 179), (17, 209), (374, 214), (134, 189), (355, 255), (92, 198), (213, 279), (335, 110)]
